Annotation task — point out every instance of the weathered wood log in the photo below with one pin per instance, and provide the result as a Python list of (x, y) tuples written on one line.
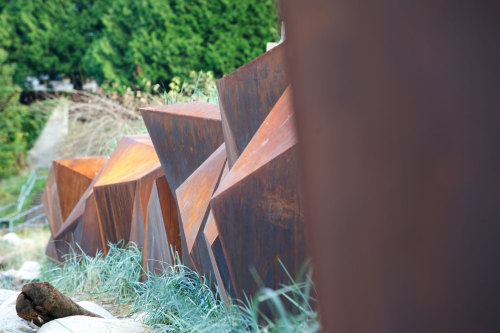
[(40, 303)]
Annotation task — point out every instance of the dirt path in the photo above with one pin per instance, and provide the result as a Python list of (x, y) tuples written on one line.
[(47, 144)]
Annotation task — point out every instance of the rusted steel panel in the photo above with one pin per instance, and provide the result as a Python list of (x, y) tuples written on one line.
[(73, 177), (123, 189), (247, 95), (162, 229), (217, 258), (82, 220), (258, 206), (114, 207), (397, 113), (67, 181), (193, 197), (184, 135)]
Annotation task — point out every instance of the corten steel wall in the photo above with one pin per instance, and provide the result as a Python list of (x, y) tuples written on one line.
[(399, 137)]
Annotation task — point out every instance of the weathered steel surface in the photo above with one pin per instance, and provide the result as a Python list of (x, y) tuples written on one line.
[(162, 229), (184, 135), (83, 220), (398, 123), (247, 95), (123, 189), (193, 197), (257, 206), (67, 181), (216, 257), (73, 177)]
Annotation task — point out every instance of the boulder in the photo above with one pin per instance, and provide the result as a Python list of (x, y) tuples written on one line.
[(92, 307), (30, 270), (5, 294), (11, 238), (9, 320)]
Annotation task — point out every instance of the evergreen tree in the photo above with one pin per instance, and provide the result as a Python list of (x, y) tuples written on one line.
[(12, 115)]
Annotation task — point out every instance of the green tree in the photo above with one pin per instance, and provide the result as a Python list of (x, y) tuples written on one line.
[(12, 141), (49, 37), (159, 39), (125, 42)]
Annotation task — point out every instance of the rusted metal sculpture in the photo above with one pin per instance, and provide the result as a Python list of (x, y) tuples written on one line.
[(193, 197), (218, 261), (67, 181), (247, 95), (184, 135), (123, 189), (398, 123), (258, 206), (161, 237), (81, 228), (115, 206)]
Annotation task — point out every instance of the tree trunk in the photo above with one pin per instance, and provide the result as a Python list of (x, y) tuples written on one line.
[(40, 303)]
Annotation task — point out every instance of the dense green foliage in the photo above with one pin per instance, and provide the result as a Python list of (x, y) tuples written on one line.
[(128, 42), (12, 143), (19, 125)]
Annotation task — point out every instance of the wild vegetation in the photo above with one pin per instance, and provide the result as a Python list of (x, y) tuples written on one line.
[(178, 300), (98, 121)]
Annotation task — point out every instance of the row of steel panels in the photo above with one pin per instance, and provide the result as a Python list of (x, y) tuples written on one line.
[(219, 186)]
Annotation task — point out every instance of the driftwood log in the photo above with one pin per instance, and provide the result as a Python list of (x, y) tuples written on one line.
[(40, 303)]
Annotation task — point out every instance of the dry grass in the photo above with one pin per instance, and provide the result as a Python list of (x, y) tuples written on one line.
[(32, 248), (98, 121)]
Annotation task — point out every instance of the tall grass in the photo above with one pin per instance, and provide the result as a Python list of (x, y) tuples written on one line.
[(178, 300)]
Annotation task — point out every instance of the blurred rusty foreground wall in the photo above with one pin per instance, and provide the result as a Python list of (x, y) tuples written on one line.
[(399, 135)]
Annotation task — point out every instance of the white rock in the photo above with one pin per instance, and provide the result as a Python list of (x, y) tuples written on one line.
[(10, 322), (5, 294), (84, 324), (92, 307), (10, 274), (30, 270), (11, 238)]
